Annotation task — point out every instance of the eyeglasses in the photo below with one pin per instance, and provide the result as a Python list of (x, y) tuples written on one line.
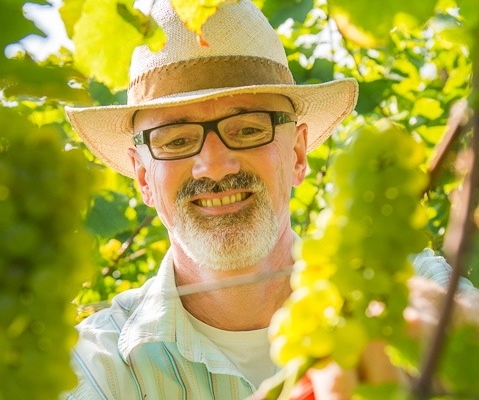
[(242, 131)]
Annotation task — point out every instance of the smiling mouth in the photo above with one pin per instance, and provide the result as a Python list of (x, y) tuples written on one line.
[(222, 201)]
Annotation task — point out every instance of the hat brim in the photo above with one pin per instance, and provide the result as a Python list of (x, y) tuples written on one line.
[(108, 130)]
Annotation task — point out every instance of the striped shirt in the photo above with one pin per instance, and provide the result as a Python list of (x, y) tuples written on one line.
[(145, 347)]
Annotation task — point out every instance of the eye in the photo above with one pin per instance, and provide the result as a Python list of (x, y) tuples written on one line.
[(177, 143), (249, 131), (248, 135), (180, 145), (175, 139)]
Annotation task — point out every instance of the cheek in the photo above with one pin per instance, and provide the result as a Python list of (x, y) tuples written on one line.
[(284, 163), (164, 186), (277, 171)]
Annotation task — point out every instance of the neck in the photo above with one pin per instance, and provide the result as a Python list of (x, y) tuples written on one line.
[(240, 307)]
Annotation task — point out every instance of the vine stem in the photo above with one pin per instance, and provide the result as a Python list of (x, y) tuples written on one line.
[(127, 244), (457, 244)]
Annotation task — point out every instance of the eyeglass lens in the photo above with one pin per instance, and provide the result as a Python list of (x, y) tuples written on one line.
[(240, 131)]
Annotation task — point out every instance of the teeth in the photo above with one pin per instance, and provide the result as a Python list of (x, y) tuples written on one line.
[(216, 202), (226, 200)]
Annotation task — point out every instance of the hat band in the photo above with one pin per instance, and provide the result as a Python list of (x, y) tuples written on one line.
[(207, 73)]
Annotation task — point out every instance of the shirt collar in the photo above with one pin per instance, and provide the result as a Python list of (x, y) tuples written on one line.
[(154, 318), (160, 317)]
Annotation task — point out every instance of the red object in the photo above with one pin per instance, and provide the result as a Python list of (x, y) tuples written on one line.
[(303, 390)]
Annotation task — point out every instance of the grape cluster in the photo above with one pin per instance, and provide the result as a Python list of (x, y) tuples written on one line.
[(349, 281), (43, 249)]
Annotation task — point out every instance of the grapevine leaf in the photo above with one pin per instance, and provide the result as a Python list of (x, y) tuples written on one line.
[(145, 25), (21, 75), (107, 217), (14, 24), (25, 77), (103, 95), (370, 26), (70, 13), (278, 11), (371, 94), (195, 13), (98, 52), (429, 108)]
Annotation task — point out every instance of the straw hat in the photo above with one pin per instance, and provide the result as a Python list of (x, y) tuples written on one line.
[(244, 55)]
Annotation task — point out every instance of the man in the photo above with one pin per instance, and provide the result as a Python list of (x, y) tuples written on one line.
[(215, 136)]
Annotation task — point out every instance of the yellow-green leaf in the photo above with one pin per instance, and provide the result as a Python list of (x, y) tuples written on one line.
[(369, 26), (429, 108), (98, 52), (194, 13), (70, 12)]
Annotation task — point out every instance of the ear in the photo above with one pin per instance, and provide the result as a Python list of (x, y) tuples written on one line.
[(301, 160), (141, 177)]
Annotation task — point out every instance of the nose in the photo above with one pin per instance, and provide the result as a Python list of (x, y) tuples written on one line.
[(215, 160)]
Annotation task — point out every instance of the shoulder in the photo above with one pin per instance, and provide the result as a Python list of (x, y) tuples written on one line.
[(100, 368), (110, 320), (435, 267)]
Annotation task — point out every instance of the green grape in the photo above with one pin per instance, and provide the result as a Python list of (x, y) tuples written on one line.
[(351, 338), (311, 311), (283, 349), (311, 266), (43, 191), (320, 343), (349, 282)]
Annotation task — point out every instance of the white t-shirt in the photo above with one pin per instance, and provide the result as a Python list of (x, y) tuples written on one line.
[(247, 350)]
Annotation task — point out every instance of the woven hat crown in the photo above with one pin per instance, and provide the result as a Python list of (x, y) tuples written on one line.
[(233, 30), (242, 49)]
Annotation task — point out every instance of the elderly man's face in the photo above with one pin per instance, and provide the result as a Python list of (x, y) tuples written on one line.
[(225, 208)]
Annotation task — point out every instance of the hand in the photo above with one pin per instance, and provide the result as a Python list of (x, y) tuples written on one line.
[(425, 301)]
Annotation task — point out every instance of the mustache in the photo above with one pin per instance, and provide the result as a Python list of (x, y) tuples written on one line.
[(241, 180)]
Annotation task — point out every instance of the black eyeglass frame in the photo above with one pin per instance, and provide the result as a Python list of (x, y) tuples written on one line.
[(277, 118)]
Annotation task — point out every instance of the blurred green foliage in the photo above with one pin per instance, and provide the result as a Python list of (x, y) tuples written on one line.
[(411, 69)]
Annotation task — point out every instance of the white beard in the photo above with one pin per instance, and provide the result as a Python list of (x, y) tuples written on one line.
[(228, 242)]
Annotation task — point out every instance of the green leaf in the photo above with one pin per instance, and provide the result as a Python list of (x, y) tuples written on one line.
[(22, 77), (194, 13), (103, 95), (370, 26), (98, 52), (145, 25), (14, 25), (371, 94), (70, 12), (429, 108), (278, 11), (107, 217), (321, 71)]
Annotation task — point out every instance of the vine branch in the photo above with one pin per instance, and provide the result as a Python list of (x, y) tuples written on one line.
[(127, 244), (459, 234)]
